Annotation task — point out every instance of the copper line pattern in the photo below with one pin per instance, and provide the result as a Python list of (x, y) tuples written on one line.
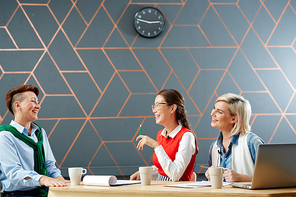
[(223, 23), (262, 3), (143, 69), (87, 25), (282, 113), (88, 166), (119, 21), (251, 26), (80, 16), (292, 7), (277, 22), (8, 24), (102, 93), (293, 129), (30, 22), (120, 117), (12, 39), (268, 92), (172, 71), (226, 70), (255, 116), (85, 67), (170, 26), (114, 25), (199, 69), (265, 46), (57, 122), (162, 87), (267, 68), (31, 74), (102, 143), (79, 132), (61, 29), (240, 90), (73, 94), (113, 158), (151, 158), (276, 128), (126, 100), (49, 52)]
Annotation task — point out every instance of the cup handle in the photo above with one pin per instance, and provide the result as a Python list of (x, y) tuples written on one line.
[(84, 171)]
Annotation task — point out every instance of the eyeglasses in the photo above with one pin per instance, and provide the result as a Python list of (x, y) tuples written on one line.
[(157, 105)]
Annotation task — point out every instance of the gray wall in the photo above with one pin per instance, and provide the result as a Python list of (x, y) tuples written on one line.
[(98, 78)]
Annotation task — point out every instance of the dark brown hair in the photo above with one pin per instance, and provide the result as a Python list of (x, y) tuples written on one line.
[(11, 94), (174, 97)]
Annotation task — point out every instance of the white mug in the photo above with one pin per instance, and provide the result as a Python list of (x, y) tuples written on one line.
[(145, 175), (75, 175), (216, 176)]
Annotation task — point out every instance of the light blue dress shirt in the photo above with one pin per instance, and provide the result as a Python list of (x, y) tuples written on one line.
[(17, 160)]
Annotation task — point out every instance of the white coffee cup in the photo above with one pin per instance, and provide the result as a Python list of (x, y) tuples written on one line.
[(75, 175), (216, 176), (145, 175)]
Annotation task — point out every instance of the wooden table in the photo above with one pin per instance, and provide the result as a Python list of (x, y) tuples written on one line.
[(157, 188)]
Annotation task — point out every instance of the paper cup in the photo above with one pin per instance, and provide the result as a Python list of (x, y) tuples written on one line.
[(145, 175), (216, 176)]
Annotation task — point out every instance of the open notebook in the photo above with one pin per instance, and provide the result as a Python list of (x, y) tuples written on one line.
[(275, 167)]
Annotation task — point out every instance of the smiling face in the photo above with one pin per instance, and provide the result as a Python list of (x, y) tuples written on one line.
[(221, 117), (29, 107), (163, 112)]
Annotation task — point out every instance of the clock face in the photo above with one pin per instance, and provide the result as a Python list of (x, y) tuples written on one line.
[(149, 22)]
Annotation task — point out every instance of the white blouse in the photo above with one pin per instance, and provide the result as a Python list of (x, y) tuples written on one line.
[(175, 169)]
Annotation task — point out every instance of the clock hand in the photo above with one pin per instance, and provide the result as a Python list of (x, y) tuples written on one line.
[(143, 20), (149, 22), (154, 22)]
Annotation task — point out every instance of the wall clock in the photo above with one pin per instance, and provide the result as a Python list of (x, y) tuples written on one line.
[(149, 22)]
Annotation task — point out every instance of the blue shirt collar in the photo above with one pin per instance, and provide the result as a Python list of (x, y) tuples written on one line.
[(234, 139), (21, 129)]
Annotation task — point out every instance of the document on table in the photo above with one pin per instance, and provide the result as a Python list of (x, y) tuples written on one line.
[(196, 184), (102, 180)]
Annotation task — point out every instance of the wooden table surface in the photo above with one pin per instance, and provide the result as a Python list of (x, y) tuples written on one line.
[(157, 188)]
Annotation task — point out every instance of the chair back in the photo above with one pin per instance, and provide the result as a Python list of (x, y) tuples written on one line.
[(193, 177)]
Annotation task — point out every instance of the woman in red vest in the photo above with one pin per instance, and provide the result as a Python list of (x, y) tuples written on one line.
[(175, 147)]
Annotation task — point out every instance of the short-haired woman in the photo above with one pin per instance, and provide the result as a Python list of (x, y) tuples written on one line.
[(236, 147), (27, 162)]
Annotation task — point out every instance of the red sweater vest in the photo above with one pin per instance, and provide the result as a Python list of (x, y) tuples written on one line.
[(171, 147)]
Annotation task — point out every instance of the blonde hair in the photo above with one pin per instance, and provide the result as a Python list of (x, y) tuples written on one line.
[(241, 107)]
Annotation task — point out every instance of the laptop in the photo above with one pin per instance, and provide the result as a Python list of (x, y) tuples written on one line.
[(275, 167)]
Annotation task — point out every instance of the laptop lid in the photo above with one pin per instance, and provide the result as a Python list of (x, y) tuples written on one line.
[(275, 166)]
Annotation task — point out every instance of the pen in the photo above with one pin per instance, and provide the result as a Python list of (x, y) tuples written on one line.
[(202, 166), (140, 129)]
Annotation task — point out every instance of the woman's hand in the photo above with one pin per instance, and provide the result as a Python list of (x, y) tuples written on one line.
[(146, 140), (207, 173), (135, 176), (232, 176), (52, 182)]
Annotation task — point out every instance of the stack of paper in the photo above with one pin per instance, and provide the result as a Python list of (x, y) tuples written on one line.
[(196, 184), (100, 180)]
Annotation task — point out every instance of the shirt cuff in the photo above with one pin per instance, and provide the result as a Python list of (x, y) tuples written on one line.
[(37, 177)]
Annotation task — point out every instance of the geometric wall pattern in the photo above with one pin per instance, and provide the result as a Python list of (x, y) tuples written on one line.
[(98, 78)]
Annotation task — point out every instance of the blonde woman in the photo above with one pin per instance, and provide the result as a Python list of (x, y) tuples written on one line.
[(236, 147)]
